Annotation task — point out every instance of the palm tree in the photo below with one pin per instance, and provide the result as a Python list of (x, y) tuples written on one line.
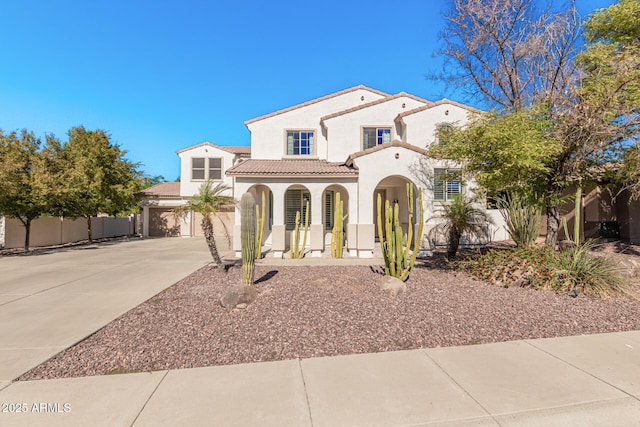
[(461, 217), (208, 201)]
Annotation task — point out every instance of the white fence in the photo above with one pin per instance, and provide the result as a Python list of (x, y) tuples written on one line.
[(50, 231)]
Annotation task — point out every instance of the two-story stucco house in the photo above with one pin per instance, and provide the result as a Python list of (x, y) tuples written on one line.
[(360, 142)]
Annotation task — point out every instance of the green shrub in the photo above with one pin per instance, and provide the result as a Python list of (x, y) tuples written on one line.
[(574, 269)]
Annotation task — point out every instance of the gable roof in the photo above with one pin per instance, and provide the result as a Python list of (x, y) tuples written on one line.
[(315, 101), (394, 143), (435, 104), (162, 189), (291, 167), (376, 102), (233, 149)]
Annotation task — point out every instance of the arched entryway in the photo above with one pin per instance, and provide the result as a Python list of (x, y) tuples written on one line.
[(263, 192), (394, 189)]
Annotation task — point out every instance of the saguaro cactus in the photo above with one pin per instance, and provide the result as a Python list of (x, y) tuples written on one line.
[(337, 233), (297, 251), (260, 217), (396, 246), (248, 236)]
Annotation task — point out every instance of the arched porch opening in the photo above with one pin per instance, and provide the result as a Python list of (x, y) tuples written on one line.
[(394, 189), (258, 190)]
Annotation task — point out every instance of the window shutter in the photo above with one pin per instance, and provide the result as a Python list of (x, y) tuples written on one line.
[(328, 208), (438, 184), (289, 143), (292, 205)]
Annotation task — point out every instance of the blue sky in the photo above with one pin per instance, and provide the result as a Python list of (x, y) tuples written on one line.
[(160, 76)]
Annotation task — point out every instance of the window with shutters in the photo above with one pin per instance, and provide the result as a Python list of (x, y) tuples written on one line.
[(296, 201), (446, 184), (375, 136), (204, 168), (300, 142)]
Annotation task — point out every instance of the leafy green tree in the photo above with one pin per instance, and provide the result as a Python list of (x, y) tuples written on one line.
[(562, 120), (462, 216), (610, 90), (209, 200), (504, 152), (24, 174), (95, 176)]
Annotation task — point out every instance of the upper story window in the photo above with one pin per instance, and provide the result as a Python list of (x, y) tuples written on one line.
[(375, 136), (203, 168), (300, 142), (443, 132), (446, 184)]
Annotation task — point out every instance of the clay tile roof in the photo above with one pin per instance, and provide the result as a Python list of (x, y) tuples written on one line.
[(291, 167), (313, 101), (163, 189), (378, 101), (394, 143), (236, 149)]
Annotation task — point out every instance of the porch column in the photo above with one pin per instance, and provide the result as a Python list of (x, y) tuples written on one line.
[(278, 232), (145, 221), (317, 227)]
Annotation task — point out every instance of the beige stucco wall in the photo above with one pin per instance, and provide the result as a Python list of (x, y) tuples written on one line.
[(50, 231), (421, 127), (189, 187), (268, 136), (345, 131)]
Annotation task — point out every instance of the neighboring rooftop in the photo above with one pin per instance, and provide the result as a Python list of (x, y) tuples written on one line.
[(163, 189)]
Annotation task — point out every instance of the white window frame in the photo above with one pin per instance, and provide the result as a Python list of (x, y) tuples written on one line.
[(380, 137), (289, 142), (445, 190)]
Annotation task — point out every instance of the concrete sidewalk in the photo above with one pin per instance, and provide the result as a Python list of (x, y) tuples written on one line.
[(50, 301), (574, 381)]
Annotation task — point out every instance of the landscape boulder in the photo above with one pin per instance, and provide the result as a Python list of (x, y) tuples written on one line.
[(392, 285), (238, 296)]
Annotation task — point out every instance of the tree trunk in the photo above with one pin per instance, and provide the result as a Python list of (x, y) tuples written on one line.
[(89, 232), (27, 234), (454, 243), (553, 225), (207, 229)]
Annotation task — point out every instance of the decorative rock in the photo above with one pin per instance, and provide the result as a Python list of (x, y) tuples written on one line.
[(392, 285), (237, 296), (241, 306)]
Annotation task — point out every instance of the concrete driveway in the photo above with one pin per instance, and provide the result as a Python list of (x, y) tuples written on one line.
[(50, 301)]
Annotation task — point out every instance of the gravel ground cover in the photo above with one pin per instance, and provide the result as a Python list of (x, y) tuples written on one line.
[(304, 312)]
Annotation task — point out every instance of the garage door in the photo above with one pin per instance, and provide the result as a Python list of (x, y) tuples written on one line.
[(163, 223)]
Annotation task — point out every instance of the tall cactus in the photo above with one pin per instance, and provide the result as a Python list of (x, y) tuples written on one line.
[(396, 246), (248, 236), (297, 251), (337, 233), (260, 218)]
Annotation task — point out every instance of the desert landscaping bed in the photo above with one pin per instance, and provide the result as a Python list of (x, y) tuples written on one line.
[(304, 312)]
